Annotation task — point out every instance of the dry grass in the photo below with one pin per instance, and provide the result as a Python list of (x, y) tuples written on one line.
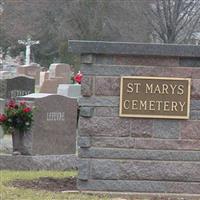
[(11, 193)]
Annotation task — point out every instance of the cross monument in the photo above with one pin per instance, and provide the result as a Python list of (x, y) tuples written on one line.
[(28, 44)]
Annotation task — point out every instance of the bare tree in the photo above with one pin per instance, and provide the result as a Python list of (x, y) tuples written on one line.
[(53, 22), (174, 21)]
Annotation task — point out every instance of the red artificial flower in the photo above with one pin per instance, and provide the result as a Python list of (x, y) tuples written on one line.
[(11, 104), (22, 103), (78, 77), (3, 118), (26, 110)]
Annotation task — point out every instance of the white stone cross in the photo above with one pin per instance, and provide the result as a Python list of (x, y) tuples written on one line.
[(28, 44)]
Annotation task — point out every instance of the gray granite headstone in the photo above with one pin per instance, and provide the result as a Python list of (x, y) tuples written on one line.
[(3, 87), (54, 127), (17, 86)]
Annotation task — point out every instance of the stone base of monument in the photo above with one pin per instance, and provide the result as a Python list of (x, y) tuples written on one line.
[(46, 162), (69, 90)]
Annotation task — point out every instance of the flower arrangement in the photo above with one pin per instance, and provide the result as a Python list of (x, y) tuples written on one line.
[(17, 116), (77, 78)]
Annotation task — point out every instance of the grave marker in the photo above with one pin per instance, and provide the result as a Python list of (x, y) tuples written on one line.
[(17, 86), (54, 127)]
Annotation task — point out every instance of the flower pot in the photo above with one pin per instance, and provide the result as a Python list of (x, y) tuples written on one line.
[(20, 142)]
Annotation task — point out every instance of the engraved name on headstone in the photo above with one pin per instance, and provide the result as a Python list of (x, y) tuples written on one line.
[(55, 116), (15, 93)]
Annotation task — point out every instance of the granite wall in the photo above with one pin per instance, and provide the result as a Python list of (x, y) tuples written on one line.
[(130, 154)]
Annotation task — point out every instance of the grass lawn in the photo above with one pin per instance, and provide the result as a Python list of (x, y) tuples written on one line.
[(11, 193)]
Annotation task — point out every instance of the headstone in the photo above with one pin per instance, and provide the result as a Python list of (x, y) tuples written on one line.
[(54, 127), (51, 85), (43, 77), (13, 87), (17, 86), (59, 73), (32, 70), (69, 90), (10, 67), (6, 74), (60, 70)]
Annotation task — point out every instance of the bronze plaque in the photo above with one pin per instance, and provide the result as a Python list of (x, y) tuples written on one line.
[(155, 97)]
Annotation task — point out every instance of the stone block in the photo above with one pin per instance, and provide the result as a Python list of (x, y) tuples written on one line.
[(86, 111), (125, 70), (103, 70), (69, 90), (99, 126), (139, 154), (195, 115), (195, 72), (190, 129), (106, 112), (146, 60), (124, 48), (84, 142), (87, 86), (113, 142), (107, 86), (141, 127), (140, 186), (195, 93), (145, 170), (84, 169), (195, 105), (104, 101), (137, 60), (47, 162), (167, 144), (87, 58), (169, 129), (104, 59), (189, 62)]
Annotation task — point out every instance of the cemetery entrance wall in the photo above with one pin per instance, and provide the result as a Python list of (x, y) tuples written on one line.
[(136, 154)]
